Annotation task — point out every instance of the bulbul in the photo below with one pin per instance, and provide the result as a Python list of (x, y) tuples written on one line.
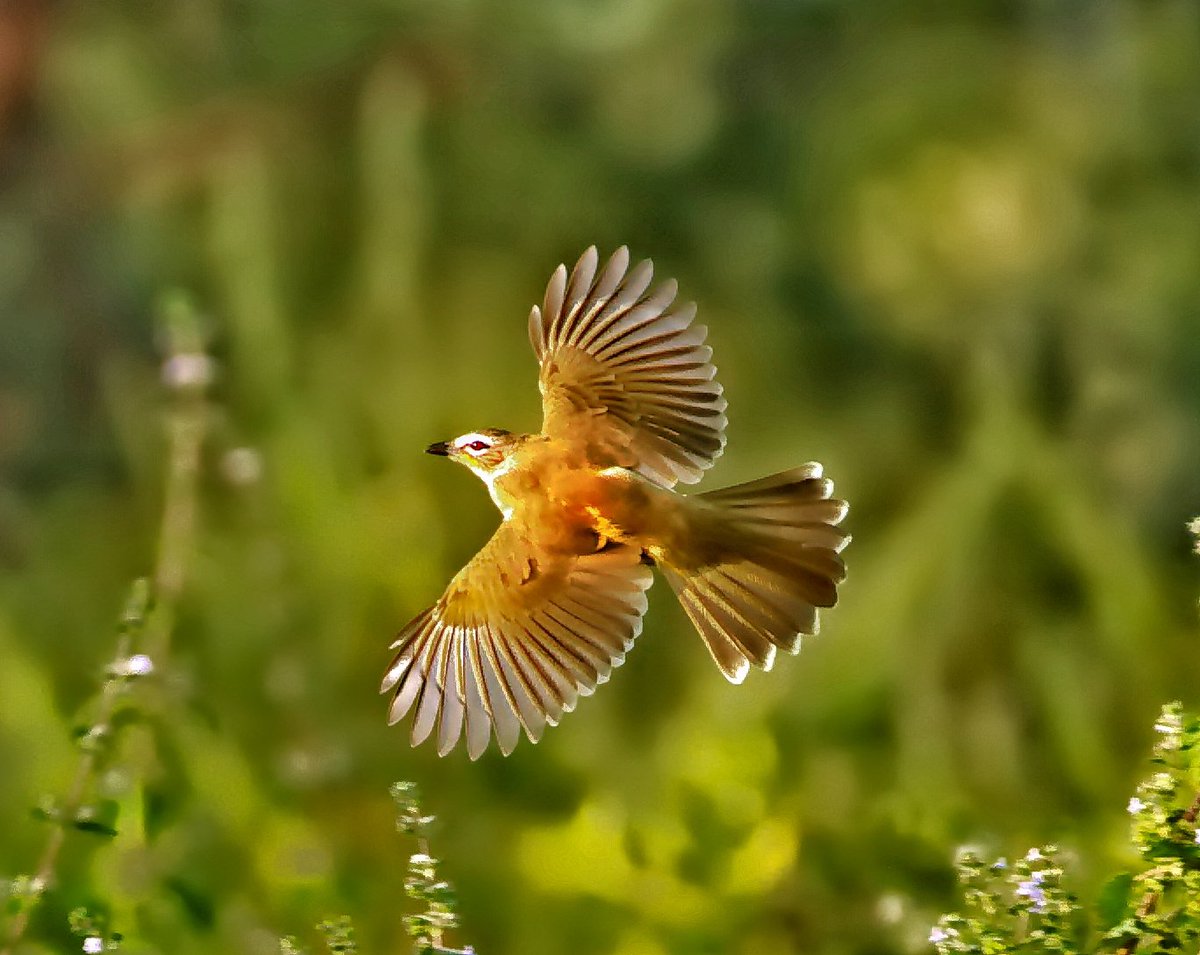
[(554, 600)]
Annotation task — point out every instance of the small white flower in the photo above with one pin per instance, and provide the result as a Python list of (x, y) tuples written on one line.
[(188, 370), (890, 908), (1001, 863), (938, 935), (242, 466), (1033, 855), (1171, 721), (93, 944), (139, 665), (1135, 806), (1198, 837)]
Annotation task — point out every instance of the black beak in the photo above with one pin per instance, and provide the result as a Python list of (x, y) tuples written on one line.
[(441, 448)]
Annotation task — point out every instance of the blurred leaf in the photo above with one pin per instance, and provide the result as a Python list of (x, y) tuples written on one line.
[(1113, 901)]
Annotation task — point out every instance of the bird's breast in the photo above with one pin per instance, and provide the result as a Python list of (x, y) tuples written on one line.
[(575, 508)]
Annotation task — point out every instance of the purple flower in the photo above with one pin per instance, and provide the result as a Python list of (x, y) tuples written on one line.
[(1034, 892)]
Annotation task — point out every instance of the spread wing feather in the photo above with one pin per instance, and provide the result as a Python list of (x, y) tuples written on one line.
[(625, 372), (519, 635)]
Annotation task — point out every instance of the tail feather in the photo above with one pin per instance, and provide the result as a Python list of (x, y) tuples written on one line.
[(732, 632), (772, 558)]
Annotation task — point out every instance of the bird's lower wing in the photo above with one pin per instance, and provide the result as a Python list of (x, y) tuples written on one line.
[(626, 374), (518, 636)]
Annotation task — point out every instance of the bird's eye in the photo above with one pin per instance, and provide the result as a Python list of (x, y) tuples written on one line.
[(477, 445)]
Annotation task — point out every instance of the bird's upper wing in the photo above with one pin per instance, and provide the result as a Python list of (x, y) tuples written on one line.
[(627, 374), (518, 635)]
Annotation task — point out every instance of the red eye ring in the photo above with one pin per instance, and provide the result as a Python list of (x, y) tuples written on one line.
[(477, 445)]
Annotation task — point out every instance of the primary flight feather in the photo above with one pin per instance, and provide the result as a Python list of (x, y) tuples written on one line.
[(554, 600)]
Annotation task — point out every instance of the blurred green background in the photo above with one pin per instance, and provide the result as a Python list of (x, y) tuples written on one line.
[(950, 250)]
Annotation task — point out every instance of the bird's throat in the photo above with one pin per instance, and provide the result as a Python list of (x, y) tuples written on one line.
[(499, 498)]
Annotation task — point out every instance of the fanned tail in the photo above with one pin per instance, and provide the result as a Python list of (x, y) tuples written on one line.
[(763, 557)]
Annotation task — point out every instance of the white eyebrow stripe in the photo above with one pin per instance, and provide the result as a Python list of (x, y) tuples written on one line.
[(463, 440)]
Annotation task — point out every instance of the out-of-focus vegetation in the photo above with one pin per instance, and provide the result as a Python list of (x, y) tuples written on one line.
[(1025, 904), (952, 251)]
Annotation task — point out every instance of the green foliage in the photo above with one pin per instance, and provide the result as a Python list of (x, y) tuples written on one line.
[(22, 894), (410, 820), (144, 623), (949, 250), (1017, 907), (434, 897), (339, 936), (1165, 806), (91, 928), (1024, 907)]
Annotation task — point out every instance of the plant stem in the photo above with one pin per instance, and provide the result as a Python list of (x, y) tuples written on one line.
[(186, 428), (435, 935), (70, 806)]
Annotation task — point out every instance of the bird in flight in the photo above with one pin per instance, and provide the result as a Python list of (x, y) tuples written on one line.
[(552, 603)]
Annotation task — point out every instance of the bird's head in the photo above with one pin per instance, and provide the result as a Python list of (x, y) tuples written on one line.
[(484, 452)]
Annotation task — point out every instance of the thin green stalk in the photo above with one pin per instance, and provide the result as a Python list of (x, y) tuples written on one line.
[(186, 429), (72, 802), (187, 371)]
